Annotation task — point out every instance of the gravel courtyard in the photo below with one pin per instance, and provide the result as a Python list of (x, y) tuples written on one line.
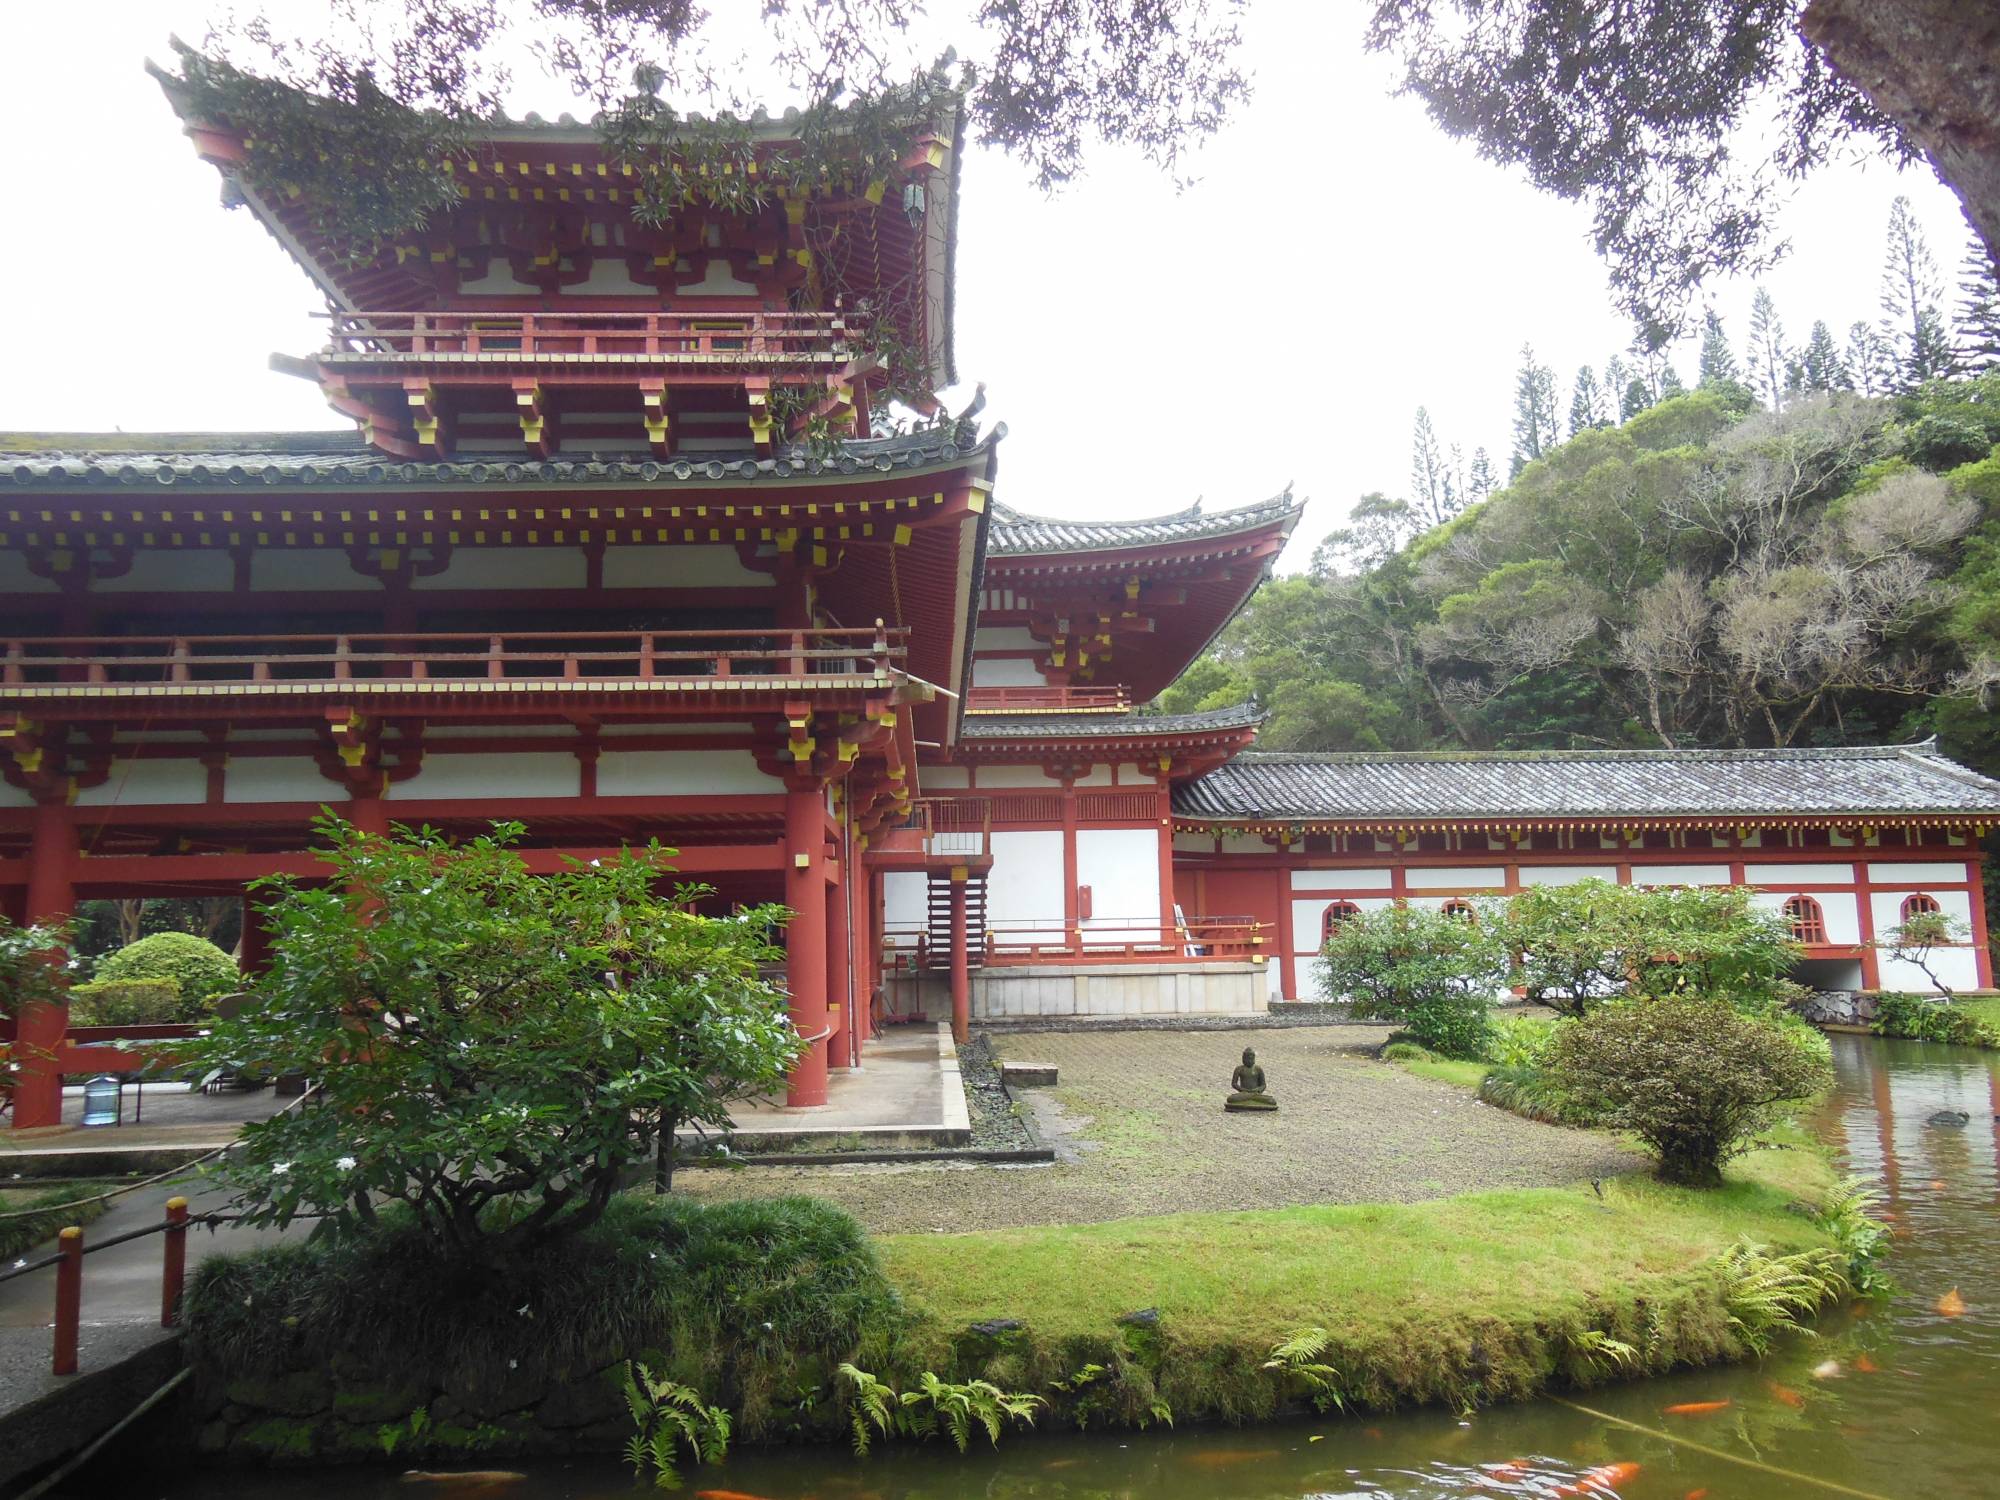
[(1139, 1126)]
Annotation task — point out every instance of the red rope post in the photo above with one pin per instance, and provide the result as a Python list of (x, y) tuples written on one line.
[(173, 1262), (69, 1298)]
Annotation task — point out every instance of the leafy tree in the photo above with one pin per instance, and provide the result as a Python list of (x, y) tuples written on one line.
[(1911, 325), (1691, 1076), (1434, 972), (1433, 494), (1821, 369), (196, 967), (1535, 430), (1635, 400), (1572, 944), (1586, 403), (1768, 352), (493, 1049), (1978, 347), (33, 960), (1718, 362), (1640, 111)]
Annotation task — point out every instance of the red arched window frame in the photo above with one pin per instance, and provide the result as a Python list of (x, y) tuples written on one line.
[(1808, 922), (1460, 908), (1336, 916), (1920, 905)]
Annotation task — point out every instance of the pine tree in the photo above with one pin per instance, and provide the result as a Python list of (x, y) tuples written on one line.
[(1768, 353), (1820, 366), (1718, 363), (1430, 485), (1479, 483), (1617, 375), (1670, 380), (1978, 347), (1870, 364), (1911, 325), (1586, 403), (1637, 399), (1535, 431)]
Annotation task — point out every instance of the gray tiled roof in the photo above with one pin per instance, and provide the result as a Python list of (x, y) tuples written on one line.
[(1887, 779), (1017, 534), (1109, 726), (98, 461)]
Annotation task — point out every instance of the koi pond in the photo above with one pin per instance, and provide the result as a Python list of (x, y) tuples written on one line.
[(1895, 1399)]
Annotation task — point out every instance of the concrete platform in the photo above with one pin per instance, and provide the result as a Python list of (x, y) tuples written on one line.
[(174, 1124), (906, 1095)]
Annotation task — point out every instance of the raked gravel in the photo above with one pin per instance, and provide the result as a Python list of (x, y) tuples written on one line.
[(1139, 1123)]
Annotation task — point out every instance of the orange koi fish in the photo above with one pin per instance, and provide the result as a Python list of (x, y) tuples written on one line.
[(1700, 1494), (1696, 1408), (1863, 1365), (724, 1495), (1951, 1304), (464, 1476), (1513, 1469), (1786, 1395), (1372, 1432), (1604, 1479), (1225, 1458)]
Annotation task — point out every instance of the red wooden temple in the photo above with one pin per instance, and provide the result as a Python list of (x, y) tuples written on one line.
[(578, 567)]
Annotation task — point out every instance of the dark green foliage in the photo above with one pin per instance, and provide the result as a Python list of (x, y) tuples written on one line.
[(742, 1300), (1692, 1077), (130, 1002), (1923, 1019), (198, 968), (46, 1214)]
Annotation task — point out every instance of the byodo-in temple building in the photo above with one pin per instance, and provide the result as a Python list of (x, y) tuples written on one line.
[(617, 550)]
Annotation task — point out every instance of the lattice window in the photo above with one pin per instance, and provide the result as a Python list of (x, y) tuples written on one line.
[(1335, 917), (1920, 905), (1461, 909), (1807, 920)]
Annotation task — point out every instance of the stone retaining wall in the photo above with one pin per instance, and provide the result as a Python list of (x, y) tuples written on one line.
[(1207, 989), (1838, 1008)]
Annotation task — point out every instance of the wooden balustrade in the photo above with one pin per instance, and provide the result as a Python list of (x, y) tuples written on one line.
[(1203, 939), (419, 657), (1043, 698), (751, 337)]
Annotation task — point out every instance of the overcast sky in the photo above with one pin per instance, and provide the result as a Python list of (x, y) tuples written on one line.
[(1339, 263)]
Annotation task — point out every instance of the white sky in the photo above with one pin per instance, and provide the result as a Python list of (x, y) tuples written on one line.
[(1339, 263)]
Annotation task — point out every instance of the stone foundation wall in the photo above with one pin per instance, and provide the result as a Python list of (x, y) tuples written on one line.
[(1208, 989), (1838, 1008)]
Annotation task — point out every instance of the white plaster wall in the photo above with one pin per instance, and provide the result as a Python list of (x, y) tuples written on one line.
[(1122, 868), (537, 773), (1842, 912), (1026, 884), (1887, 909), (1307, 915), (1244, 843), (1957, 967), (905, 902), (1005, 671), (1799, 874), (292, 570), (16, 579), (1004, 638), (148, 783), (1569, 874), (14, 796), (275, 778), (1096, 776), (1453, 877), (681, 773), (696, 567), (194, 570), (1014, 776), (1918, 874), (944, 778), (1680, 874), (509, 568), (1340, 880), (1193, 843)]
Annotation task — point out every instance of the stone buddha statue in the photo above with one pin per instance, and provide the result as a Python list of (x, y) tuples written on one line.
[(1246, 1086)]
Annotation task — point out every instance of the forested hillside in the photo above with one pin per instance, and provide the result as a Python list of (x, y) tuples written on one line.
[(1709, 572)]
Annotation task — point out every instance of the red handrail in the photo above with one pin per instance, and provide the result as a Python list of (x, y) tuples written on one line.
[(1045, 699), (747, 336)]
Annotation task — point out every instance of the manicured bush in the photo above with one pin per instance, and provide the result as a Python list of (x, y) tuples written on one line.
[(1926, 1020), (1693, 1077), (130, 1002), (199, 969), (1434, 972)]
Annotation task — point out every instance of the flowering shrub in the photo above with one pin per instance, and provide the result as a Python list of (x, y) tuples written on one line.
[(1434, 972)]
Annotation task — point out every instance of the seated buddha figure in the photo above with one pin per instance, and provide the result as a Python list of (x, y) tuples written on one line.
[(1246, 1086)]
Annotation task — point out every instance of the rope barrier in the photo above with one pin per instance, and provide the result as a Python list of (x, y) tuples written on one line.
[(1726, 1457)]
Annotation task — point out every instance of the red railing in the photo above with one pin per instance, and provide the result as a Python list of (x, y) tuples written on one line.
[(752, 337), (98, 1049), (537, 656), (1103, 941), (1045, 699)]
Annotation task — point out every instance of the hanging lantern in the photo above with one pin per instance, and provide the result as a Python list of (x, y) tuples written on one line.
[(913, 204)]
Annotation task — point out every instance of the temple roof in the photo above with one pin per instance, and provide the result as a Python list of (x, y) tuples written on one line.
[(151, 460), (1108, 726), (1017, 534), (1887, 779)]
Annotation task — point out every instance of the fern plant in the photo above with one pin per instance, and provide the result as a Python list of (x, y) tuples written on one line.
[(955, 1408), (1594, 1348), (1765, 1294), (1848, 1215), (670, 1416), (1299, 1364), (872, 1404)]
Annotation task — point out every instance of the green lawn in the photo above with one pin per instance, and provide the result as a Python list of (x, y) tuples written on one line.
[(1445, 1069), (56, 1213), (1986, 1008)]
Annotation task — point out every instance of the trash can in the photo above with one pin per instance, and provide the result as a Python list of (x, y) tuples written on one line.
[(103, 1100)]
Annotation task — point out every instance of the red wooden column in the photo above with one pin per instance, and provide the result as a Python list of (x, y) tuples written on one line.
[(256, 945), (840, 974), (1072, 909), (1864, 916), (1982, 953), (369, 814), (961, 966), (39, 1028), (805, 936)]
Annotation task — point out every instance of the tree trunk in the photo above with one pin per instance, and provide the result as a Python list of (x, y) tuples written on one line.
[(1932, 66)]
